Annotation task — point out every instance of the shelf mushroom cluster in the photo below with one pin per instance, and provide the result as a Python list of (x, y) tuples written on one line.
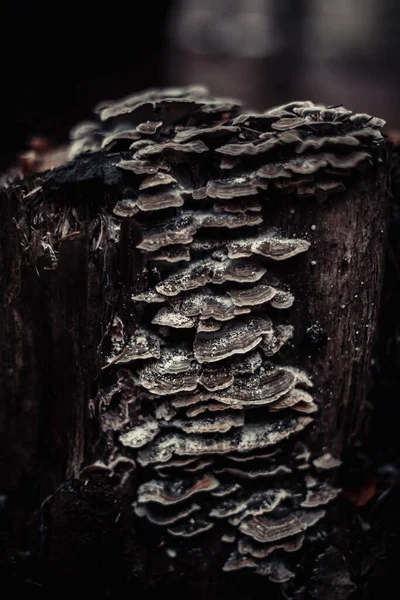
[(211, 411), (300, 147)]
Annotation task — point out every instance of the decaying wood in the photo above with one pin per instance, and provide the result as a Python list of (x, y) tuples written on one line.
[(79, 242)]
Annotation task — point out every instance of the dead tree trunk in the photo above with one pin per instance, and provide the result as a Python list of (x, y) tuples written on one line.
[(193, 322)]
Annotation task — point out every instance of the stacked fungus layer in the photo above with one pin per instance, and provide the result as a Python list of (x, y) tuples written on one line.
[(211, 409)]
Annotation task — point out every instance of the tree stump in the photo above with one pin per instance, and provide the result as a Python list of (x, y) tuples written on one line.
[(189, 310)]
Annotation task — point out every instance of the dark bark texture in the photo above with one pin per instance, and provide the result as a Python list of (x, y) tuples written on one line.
[(69, 266)]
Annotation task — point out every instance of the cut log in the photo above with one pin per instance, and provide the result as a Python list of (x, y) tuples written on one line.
[(187, 328)]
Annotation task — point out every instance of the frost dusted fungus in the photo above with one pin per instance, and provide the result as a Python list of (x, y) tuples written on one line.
[(208, 410)]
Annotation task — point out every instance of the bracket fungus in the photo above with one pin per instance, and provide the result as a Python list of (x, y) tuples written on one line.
[(326, 462), (172, 492), (216, 391), (264, 530)]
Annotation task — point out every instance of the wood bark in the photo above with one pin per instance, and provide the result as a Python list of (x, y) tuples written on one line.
[(59, 527)]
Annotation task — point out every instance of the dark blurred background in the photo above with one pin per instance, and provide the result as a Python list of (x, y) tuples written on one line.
[(59, 58)]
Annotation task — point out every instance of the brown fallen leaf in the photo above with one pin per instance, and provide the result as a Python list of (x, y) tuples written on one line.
[(359, 497)]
